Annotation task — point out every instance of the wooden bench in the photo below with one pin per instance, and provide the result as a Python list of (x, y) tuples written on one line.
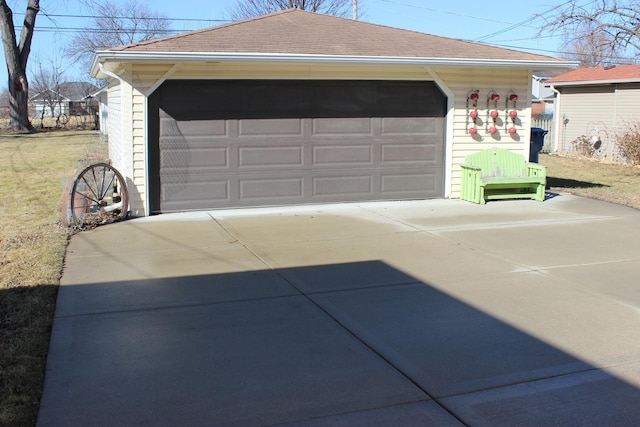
[(496, 173)]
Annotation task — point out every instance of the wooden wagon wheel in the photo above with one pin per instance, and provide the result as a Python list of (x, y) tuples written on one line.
[(98, 196)]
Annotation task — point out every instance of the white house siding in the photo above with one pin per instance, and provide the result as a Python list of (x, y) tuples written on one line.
[(127, 136), (117, 146), (596, 111), (140, 80), (501, 80)]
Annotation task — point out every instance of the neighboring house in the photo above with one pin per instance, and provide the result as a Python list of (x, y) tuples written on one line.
[(542, 100), (300, 108), (70, 99), (595, 103)]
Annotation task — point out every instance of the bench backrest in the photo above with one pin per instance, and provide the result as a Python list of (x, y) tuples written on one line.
[(498, 162)]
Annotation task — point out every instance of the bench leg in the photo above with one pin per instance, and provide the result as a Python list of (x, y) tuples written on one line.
[(540, 193)]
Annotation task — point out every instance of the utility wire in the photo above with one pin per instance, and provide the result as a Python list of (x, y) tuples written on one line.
[(52, 15)]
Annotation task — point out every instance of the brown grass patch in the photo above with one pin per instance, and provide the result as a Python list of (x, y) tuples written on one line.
[(611, 182), (33, 169)]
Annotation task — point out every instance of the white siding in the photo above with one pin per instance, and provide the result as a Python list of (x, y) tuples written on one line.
[(117, 145), (485, 80)]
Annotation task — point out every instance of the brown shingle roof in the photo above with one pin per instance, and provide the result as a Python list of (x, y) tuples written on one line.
[(600, 74), (298, 32)]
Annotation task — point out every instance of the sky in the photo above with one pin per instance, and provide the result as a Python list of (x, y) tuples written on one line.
[(513, 24)]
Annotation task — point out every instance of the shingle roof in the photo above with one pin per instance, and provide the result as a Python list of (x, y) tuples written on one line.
[(600, 74), (298, 32)]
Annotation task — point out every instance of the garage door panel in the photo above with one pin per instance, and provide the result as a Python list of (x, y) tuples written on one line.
[(270, 156), (201, 128), (410, 154), (343, 127), (410, 184), (270, 127), (263, 143), (343, 187), (271, 188), (342, 155), (195, 158), (198, 195), (411, 126)]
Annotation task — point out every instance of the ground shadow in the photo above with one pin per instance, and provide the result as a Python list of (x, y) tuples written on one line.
[(26, 314), (560, 183), (342, 344)]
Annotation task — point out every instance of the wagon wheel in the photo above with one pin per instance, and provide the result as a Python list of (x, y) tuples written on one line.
[(98, 196)]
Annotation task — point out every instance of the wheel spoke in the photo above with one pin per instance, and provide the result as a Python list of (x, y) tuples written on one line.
[(97, 198), (113, 177), (102, 189)]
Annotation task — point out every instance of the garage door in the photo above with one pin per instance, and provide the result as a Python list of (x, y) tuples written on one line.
[(233, 143)]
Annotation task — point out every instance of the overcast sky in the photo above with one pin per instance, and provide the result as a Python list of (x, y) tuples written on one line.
[(512, 24)]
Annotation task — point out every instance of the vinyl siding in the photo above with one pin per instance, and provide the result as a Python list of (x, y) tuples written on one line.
[(460, 82), (117, 145)]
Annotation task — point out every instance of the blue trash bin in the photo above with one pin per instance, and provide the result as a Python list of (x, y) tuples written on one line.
[(537, 141)]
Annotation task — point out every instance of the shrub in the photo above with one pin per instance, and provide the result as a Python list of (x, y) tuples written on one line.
[(583, 146), (628, 143)]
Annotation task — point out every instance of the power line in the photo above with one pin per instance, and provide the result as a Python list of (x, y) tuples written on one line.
[(129, 17), (102, 31), (527, 21)]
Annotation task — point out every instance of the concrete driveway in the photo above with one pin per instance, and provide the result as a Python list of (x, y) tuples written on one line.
[(412, 313)]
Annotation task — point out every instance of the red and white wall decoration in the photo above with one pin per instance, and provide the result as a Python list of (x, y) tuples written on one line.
[(493, 122)]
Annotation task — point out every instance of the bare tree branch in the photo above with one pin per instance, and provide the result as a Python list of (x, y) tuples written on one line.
[(251, 8), (616, 22), (117, 24)]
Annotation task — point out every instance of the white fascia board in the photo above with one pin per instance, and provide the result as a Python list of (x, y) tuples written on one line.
[(594, 82), (120, 57)]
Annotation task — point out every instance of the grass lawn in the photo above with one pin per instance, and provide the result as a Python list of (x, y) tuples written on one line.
[(32, 246), (610, 182)]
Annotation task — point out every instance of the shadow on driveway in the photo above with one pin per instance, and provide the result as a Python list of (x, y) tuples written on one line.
[(359, 343)]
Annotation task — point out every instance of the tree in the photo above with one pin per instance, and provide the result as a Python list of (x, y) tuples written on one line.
[(116, 25), (16, 54), (593, 49), (46, 84), (616, 22), (251, 8)]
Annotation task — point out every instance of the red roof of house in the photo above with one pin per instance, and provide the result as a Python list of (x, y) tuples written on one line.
[(599, 74)]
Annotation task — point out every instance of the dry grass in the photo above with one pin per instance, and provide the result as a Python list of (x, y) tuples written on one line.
[(32, 246), (611, 182), (64, 123)]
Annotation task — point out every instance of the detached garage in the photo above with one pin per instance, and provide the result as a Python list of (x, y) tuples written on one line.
[(244, 115)]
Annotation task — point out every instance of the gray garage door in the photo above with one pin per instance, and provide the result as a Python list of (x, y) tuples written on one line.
[(222, 143)]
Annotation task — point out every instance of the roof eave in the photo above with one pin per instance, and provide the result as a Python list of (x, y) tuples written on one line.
[(594, 82), (119, 57)]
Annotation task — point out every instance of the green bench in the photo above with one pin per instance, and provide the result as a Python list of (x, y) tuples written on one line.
[(496, 173)]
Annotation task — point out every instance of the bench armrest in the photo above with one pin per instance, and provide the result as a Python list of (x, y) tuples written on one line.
[(534, 169)]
